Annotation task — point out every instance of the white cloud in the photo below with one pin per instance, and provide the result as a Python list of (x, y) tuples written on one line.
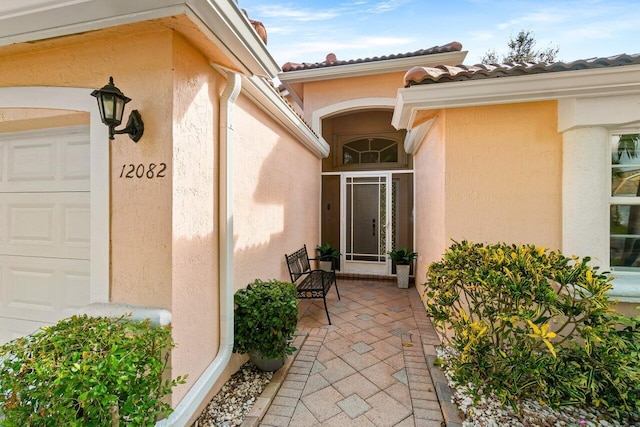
[(281, 30), (345, 49), (296, 13), (549, 17), (386, 6), (381, 41), (361, 44), (593, 33), (301, 15), (482, 35)]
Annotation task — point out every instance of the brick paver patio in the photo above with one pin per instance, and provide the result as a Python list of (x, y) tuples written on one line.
[(367, 369)]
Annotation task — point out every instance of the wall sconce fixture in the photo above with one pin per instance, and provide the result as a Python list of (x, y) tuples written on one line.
[(111, 103)]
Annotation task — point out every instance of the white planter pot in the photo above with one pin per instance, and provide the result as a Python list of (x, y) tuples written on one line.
[(402, 273), (326, 265)]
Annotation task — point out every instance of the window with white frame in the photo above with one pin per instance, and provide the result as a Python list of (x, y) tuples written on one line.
[(364, 151), (624, 223), (370, 150)]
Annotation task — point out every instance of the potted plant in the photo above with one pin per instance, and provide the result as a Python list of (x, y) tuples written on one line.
[(403, 259), (327, 256), (265, 319)]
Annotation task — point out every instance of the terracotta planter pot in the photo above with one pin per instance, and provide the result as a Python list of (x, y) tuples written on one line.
[(402, 273)]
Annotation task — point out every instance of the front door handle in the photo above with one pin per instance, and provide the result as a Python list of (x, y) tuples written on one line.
[(374, 227)]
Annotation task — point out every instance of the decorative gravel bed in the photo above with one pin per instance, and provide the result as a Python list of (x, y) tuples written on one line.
[(234, 401), (489, 412)]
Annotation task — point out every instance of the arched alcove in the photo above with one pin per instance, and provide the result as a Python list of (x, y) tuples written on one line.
[(363, 140), (367, 187)]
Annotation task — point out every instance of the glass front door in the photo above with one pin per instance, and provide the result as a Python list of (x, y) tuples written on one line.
[(366, 226)]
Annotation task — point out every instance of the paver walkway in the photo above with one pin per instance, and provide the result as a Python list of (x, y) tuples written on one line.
[(368, 368)]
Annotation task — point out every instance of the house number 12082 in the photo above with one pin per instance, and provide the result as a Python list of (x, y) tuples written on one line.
[(141, 170)]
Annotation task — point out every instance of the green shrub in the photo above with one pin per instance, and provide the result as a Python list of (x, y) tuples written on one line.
[(527, 322), (86, 371), (265, 318)]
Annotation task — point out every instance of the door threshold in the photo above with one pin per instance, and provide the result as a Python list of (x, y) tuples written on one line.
[(376, 277)]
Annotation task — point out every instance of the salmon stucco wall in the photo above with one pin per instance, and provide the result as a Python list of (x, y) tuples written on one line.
[(23, 119), (504, 174), (140, 208), (194, 252), (429, 188), (276, 196), (276, 188), (140, 226), (474, 179), (163, 229), (321, 94)]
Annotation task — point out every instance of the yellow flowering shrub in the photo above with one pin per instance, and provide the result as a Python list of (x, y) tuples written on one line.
[(524, 321)]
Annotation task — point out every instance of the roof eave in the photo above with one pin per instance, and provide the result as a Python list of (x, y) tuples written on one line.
[(220, 20), (609, 81), (272, 103), (382, 66), (235, 35)]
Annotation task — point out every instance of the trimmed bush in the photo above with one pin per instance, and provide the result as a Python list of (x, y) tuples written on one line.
[(87, 371), (527, 322), (265, 318)]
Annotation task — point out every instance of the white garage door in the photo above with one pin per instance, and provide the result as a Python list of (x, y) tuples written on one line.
[(44, 227)]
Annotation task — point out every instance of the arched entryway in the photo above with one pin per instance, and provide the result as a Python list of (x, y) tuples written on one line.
[(367, 190)]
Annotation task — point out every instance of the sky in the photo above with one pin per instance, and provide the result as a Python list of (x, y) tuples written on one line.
[(307, 30)]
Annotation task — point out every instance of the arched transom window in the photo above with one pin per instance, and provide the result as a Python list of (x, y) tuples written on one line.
[(370, 150)]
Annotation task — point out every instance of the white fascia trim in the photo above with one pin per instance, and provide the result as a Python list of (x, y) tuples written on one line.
[(64, 18), (370, 68), (234, 34), (621, 80), (270, 101), (610, 112), (294, 95), (415, 136), (221, 20)]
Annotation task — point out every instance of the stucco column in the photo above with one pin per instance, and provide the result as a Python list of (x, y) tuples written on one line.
[(585, 185)]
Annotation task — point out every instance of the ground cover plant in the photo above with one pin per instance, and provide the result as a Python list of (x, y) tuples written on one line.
[(525, 322), (87, 371)]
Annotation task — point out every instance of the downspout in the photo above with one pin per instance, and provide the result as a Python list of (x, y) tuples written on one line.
[(199, 391)]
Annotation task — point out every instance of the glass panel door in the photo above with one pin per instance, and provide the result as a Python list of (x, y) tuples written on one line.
[(366, 223)]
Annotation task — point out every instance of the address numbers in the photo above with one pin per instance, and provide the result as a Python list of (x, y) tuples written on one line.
[(141, 170)]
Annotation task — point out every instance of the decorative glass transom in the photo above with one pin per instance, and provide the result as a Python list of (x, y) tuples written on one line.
[(370, 150)]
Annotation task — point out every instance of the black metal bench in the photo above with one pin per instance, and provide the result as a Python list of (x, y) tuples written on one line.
[(310, 283)]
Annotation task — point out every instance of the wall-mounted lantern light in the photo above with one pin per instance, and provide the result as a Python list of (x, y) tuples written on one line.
[(111, 103)]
